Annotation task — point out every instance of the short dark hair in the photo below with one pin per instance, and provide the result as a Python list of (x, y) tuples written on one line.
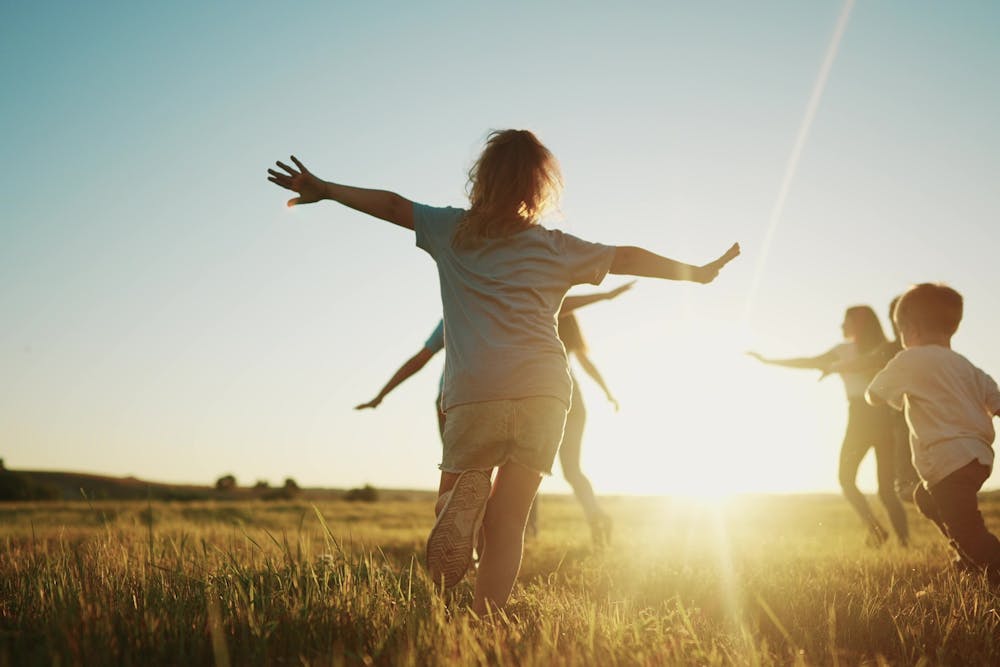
[(931, 308)]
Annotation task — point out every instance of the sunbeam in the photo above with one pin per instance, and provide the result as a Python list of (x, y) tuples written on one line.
[(793, 159)]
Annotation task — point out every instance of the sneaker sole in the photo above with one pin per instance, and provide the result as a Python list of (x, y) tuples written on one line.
[(450, 544)]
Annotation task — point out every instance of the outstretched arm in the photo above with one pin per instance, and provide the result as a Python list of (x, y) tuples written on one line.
[(378, 203), (633, 261), (412, 365), (820, 362), (872, 361), (592, 371), (571, 303)]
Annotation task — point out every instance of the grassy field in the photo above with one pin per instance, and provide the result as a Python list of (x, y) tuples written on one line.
[(756, 581)]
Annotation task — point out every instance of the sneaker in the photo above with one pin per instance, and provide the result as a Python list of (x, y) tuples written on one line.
[(477, 555), (450, 544)]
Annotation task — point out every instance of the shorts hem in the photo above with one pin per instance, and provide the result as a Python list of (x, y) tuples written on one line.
[(543, 473), (457, 471)]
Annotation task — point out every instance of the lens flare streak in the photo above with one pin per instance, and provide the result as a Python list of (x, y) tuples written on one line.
[(792, 164)]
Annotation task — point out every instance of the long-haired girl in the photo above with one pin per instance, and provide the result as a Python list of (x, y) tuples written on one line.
[(867, 426), (503, 277)]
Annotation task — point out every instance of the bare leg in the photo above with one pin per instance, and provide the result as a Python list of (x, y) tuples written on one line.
[(532, 526), (856, 445), (569, 457), (506, 514)]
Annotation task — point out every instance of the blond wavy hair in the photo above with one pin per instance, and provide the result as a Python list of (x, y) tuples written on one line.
[(511, 186)]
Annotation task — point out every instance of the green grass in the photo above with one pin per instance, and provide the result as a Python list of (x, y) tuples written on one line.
[(760, 581)]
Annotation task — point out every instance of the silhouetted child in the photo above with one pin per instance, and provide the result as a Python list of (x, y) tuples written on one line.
[(867, 427), (569, 451), (435, 343), (503, 278), (949, 405), (907, 478)]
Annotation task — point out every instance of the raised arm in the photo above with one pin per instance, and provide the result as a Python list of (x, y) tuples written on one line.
[(571, 303), (592, 371), (412, 365), (378, 203), (633, 261)]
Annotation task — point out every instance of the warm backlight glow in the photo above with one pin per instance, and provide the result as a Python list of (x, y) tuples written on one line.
[(702, 420)]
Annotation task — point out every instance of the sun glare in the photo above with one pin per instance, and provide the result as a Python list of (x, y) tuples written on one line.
[(702, 421)]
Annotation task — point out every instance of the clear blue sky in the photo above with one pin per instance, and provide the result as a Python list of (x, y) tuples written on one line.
[(165, 316)]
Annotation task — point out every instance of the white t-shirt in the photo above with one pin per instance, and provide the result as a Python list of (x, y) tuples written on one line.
[(855, 382), (949, 406), (501, 300)]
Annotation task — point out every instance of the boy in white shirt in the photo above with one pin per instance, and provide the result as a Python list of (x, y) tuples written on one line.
[(949, 406)]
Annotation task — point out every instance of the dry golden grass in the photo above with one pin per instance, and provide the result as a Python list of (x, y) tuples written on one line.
[(758, 581)]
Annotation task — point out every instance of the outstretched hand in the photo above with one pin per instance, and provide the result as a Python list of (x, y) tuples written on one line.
[(621, 289), (374, 403), (309, 187), (614, 402), (708, 272), (757, 356), (826, 371)]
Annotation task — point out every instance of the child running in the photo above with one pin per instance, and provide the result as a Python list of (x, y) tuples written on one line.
[(503, 278), (949, 405), (906, 475), (568, 451), (435, 343)]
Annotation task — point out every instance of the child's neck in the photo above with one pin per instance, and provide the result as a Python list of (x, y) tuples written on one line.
[(943, 341)]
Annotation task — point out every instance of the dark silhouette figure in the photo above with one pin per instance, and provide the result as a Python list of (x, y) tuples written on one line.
[(867, 426)]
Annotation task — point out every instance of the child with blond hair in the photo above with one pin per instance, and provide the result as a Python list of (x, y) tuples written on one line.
[(503, 278)]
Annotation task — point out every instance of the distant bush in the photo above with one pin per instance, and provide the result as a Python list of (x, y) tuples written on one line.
[(225, 483), (16, 486), (367, 494), (264, 491)]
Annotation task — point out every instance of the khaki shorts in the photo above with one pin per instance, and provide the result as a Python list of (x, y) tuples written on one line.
[(481, 436)]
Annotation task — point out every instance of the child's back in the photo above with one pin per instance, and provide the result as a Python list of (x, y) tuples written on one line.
[(507, 386), (949, 406), (501, 299)]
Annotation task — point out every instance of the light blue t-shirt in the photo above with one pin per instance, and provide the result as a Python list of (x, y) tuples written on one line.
[(501, 300), (435, 343)]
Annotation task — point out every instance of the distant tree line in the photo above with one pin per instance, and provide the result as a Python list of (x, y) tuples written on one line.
[(262, 489), (18, 486)]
